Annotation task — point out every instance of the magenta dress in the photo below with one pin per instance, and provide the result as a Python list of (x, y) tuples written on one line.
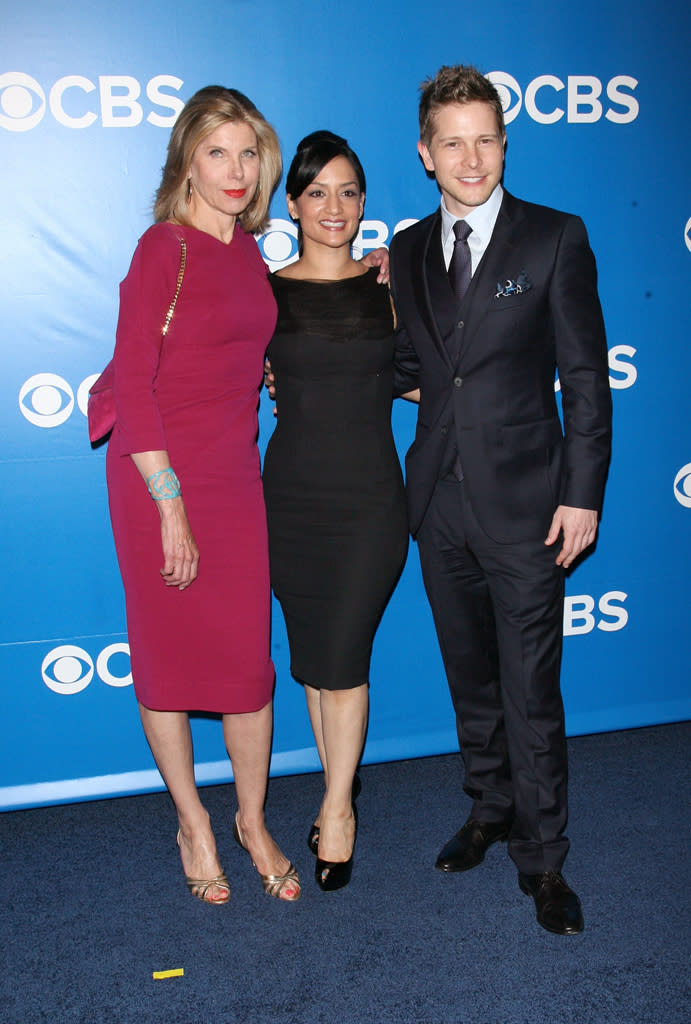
[(194, 393)]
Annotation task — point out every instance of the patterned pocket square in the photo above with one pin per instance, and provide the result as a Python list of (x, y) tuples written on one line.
[(517, 287)]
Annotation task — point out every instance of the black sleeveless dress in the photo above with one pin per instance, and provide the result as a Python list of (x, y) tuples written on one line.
[(338, 531)]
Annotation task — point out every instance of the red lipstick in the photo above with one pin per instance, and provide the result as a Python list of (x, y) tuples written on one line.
[(235, 193)]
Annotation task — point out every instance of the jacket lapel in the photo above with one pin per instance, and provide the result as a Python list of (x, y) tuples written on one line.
[(425, 287), (492, 267)]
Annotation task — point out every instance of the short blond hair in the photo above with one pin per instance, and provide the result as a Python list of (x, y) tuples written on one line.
[(457, 84), (206, 111)]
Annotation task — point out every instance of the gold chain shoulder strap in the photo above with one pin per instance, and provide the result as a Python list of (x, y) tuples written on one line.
[(181, 274)]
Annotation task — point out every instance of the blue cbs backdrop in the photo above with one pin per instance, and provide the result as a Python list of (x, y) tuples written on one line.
[(596, 105)]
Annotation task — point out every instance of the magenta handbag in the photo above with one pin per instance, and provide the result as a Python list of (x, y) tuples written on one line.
[(100, 408)]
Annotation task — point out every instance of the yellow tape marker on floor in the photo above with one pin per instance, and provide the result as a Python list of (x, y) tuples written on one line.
[(176, 973)]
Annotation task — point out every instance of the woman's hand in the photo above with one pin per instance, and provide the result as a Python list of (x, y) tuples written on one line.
[(378, 258), (180, 551), (270, 382)]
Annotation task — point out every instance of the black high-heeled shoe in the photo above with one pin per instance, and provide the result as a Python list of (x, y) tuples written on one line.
[(313, 837), (313, 840), (335, 874), (331, 875)]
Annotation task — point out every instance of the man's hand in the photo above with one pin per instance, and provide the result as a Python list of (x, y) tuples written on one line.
[(378, 258), (578, 527)]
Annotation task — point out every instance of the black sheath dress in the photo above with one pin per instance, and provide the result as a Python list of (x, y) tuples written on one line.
[(338, 532)]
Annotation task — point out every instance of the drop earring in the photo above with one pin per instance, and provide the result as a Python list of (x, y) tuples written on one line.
[(189, 190)]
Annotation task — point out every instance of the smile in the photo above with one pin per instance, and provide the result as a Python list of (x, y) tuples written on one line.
[(333, 225), (235, 193), (472, 181)]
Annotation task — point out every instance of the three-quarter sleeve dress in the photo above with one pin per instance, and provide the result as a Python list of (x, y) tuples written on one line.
[(194, 394)]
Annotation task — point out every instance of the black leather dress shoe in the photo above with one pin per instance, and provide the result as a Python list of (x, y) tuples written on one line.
[(468, 847), (558, 907)]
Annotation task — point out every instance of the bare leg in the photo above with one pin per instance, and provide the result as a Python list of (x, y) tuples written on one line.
[(248, 741), (170, 739), (314, 709), (344, 724)]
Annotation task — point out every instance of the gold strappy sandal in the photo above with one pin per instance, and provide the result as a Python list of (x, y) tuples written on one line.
[(199, 887), (274, 885)]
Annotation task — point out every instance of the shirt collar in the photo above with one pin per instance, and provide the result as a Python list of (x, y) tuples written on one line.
[(481, 218)]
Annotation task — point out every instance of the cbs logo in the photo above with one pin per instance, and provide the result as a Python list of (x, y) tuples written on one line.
[(580, 613), (47, 400), (23, 101), (279, 243), (682, 486), (622, 373), (68, 669), (583, 98)]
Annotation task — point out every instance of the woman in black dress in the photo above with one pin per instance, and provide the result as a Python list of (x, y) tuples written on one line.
[(338, 534)]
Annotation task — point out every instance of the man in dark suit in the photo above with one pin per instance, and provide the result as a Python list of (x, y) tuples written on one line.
[(501, 499)]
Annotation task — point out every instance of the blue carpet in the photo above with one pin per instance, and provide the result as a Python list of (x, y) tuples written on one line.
[(94, 901)]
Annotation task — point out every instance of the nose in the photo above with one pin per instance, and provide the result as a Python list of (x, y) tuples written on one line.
[(333, 202), (235, 167), (473, 156)]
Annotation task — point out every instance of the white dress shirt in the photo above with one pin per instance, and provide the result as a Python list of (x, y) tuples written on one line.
[(481, 219)]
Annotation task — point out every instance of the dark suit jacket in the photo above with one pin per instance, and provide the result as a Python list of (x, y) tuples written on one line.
[(495, 394)]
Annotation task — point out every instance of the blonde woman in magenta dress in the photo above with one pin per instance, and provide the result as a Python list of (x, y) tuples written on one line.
[(184, 479)]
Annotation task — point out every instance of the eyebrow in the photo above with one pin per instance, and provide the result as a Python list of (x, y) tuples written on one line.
[(479, 135), (342, 184)]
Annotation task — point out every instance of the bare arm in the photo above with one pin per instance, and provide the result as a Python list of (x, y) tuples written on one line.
[(412, 396), (180, 551)]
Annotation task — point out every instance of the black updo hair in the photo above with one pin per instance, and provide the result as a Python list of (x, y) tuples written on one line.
[(314, 152)]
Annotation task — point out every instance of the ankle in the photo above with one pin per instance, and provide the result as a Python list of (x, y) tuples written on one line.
[(336, 810), (251, 823), (196, 824)]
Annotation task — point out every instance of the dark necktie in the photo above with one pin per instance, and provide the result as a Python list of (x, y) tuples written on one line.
[(459, 276), (460, 266)]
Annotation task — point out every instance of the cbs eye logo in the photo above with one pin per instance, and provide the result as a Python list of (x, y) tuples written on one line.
[(279, 243), (682, 486), (22, 101), (47, 400), (68, 669)]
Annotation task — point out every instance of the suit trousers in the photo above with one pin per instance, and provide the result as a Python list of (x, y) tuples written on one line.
[(498, 612)]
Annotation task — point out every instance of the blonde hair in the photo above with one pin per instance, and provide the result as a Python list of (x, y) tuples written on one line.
[(206, 111), (457, 84)]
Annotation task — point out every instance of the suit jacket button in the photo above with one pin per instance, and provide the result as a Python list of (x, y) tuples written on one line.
[(458, 381), (460, 324), (444, 430)]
